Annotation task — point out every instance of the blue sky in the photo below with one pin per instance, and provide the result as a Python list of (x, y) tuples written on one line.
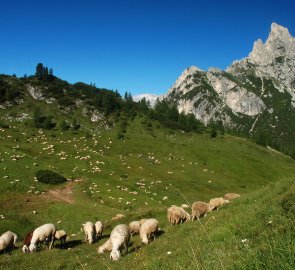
[(137, 46)]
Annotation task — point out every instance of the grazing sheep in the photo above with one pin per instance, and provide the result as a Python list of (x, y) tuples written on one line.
[(119, 238), (143, 220), (27, 242), (61, 235), (215, 203), (107, 246), (118, 217), (230, 196), (184, 206), (89, 230), (177, 215), (200, 209), (134, 227), (44, 233), (98, 229), (7, 241), (149, 229)]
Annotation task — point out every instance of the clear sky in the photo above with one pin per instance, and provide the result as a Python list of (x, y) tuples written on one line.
[(139, 46)]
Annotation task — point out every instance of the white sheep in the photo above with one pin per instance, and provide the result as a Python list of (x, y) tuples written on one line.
[(230, 196), (119, 238), (44, 233), (215, 203), (61, 235), (148, 229), (200, 209), (134, 227), (107, 246), (177, 215), (118, 217), (184, 206), (98, 229), (89, 230), (7, 241)]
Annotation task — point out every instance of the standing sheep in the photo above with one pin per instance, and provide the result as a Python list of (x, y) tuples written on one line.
[(176, 215), (230, 196), (200, 209), (44, 233), (119, 238), (89, 230), (148, 229), (98, 229), (7, 241), (215, 203), (107, 246), (61, 235), (27, 242), (134, 227)]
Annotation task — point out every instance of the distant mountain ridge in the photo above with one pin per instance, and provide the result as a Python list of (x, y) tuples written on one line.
[(151, 98), (253, 95)]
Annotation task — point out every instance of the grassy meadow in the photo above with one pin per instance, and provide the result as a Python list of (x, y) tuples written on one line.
[(141, 176)]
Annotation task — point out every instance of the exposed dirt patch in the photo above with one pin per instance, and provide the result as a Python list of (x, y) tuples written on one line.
[(64, 194)]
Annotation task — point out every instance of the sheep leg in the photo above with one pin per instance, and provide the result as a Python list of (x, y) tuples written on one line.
[(126, 248), (51, 242)]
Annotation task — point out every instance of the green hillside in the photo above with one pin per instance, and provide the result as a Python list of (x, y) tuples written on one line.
[(133, 176)]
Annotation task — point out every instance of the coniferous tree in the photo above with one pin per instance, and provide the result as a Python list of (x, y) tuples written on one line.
[(213, 132), (39, 71)]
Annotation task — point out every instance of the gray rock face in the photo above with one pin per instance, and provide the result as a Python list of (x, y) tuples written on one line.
[(209, 94), (237, 98), (35, 92)]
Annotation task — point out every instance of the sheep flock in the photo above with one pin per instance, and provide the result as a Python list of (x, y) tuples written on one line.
[(121, 234)]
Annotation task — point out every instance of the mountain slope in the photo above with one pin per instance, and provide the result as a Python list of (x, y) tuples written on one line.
[(140, 176), (254, 95)]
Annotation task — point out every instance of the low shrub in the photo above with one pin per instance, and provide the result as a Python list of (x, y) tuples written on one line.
[(49, 177)]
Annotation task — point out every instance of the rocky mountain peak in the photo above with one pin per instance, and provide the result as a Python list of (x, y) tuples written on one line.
[(278, 31), (278, 44), (186, 78)]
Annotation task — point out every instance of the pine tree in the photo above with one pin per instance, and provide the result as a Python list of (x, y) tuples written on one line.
[(39, 71)]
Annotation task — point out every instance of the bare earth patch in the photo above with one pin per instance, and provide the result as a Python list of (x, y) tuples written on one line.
[(64, 194)]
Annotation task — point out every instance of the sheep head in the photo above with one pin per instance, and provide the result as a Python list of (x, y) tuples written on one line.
[(115, 255), (32, 247), (100, 250), (25, 249), (145, 240)]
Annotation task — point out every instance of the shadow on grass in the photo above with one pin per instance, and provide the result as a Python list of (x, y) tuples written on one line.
[(103, 237), (69, 244), (138, 247)]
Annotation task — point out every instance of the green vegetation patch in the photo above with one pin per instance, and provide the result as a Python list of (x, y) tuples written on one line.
[(50, 177)]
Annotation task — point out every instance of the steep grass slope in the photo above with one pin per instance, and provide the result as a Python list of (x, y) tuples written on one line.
[(133, 177)]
